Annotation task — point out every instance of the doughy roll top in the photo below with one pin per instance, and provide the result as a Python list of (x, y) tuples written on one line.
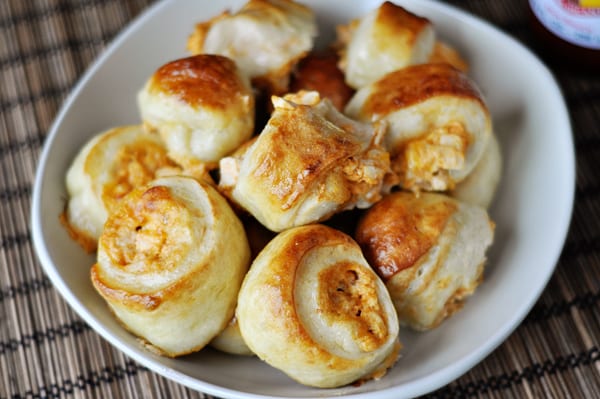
[(429, 249), (312, 307), (170, 262), (107, 168), (266, 38), (309, 162), (202, 106), (386, 39), (439, 123)]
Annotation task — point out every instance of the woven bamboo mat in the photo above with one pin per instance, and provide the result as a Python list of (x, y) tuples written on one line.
[(47, 351)]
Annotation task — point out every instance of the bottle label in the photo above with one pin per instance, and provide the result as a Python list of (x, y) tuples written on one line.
[(576, 21)]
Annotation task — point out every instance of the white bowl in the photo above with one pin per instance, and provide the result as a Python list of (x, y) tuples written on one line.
[(532, 208)]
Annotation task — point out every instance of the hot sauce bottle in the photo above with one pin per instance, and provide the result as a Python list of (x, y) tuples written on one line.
[(569, 31)]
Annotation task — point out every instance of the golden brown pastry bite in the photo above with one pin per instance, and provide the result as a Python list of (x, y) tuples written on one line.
[(202, 106), (439, 123), (429, 249), (386, 39), (170, 262), (108, 167), (313, 308), (266, 38), (309, 162)]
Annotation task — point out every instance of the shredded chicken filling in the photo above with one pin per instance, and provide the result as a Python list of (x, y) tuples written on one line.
[(428, 161)]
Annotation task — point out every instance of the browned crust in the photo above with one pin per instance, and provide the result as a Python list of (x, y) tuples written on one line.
[(397, 231), (207, 80), (393, 21), (417, 83), (320, 72), (302, 148), (147, 302)]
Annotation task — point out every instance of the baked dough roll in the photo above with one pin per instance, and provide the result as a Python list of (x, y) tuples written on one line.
[(106, 168), (386, 39), (266, 38), (439, 124), (309, 162), (170, 263), (202, 106), (479, 188), (313, 308), (429, 249)]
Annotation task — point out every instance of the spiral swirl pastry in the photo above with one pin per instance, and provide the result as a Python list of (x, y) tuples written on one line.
[(430, 250), (170, 262), (312, 307), (106, 169), (439, 123)]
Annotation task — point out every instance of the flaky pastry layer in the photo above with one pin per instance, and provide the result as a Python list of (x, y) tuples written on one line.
[(170, 262)]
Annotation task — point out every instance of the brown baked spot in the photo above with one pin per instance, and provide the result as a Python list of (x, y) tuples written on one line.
[(393, 21), (401, 228), (320, 72), (147, 302), (303, 146), (417, 83), (207, 80)]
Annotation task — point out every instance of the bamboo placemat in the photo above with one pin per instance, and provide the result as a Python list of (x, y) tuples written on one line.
[(47, 351)]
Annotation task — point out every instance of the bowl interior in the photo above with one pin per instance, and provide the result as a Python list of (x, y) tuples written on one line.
[(532, 208)]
